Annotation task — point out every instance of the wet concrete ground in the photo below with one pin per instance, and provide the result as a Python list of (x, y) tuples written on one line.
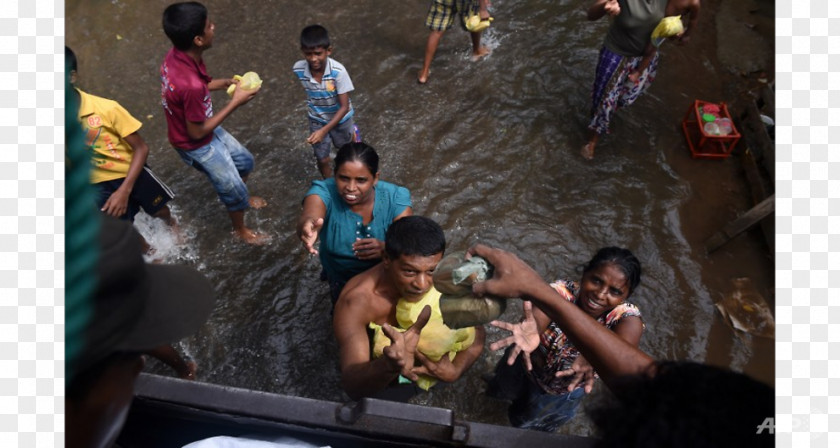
[(720, 191)]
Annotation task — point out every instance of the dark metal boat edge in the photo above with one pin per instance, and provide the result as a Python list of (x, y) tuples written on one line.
[(170, 412)]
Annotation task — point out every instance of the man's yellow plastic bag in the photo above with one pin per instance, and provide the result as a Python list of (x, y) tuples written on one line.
[(436, 339)]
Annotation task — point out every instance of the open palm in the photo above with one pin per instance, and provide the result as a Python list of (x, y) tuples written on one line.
[(525, 336)]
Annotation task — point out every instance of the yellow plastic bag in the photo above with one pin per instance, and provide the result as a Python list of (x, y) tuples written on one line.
[(474, 24), (407, 312), (668, 26), (436, 339), (248, 81)]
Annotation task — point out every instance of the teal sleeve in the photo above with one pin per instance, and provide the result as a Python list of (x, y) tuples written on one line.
[(402, 200), (323, 190)]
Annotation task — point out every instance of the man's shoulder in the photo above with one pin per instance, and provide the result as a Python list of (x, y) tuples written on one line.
[(354, 309), (359, 296), (360, 288)]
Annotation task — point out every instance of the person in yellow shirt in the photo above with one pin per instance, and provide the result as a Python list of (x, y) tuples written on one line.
[(118, 158)]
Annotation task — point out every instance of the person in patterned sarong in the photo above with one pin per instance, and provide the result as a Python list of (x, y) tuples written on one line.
[(632, 22)]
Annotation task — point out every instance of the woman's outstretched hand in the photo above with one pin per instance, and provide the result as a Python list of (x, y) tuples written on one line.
[(309, 234), (525, 337), (581, 372)]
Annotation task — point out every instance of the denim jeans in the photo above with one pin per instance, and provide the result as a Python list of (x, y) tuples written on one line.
[(531, 407), (225, 162), (542, 411)]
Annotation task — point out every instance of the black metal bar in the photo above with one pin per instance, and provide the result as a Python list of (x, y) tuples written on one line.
[(182, 411)]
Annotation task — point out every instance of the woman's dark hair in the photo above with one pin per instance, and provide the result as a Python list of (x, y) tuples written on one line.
[(358, 152), (314, 36), (414, 235), (624, 259), (182, 22)]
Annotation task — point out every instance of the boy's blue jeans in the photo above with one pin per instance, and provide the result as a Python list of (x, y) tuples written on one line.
[(225, 162)]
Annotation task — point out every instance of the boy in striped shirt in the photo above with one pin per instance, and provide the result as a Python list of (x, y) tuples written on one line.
[(327, 85)]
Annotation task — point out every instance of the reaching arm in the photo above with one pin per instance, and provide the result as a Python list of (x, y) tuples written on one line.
[(525, 336), (169, 356), (310, 222), (199, 130), (343, 108), (581, 371), (694, 11), (611, 355), (117, 203), (220, 83), (600, 8)]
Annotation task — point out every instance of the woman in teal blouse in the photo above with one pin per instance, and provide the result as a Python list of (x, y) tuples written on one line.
[(349, 213)]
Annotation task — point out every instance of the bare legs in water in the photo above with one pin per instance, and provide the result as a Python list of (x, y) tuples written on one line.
[(478, 52), (237, 219)]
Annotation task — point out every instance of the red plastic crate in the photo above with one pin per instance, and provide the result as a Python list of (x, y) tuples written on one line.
[(703, 145)]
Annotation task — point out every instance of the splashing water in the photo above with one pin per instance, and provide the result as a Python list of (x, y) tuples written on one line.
[(169, 245)]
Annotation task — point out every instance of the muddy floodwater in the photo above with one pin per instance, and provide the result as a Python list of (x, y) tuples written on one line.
[(489, 149)]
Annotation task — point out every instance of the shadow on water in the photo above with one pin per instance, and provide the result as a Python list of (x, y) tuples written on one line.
[(488, 149)]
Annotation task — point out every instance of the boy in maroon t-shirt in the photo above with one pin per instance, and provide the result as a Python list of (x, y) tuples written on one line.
[(194, 130)]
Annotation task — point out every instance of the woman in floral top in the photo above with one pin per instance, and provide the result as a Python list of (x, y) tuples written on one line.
[(547, 383)]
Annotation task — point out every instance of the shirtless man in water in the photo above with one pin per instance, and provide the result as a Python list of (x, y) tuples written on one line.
[(413, 247)]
